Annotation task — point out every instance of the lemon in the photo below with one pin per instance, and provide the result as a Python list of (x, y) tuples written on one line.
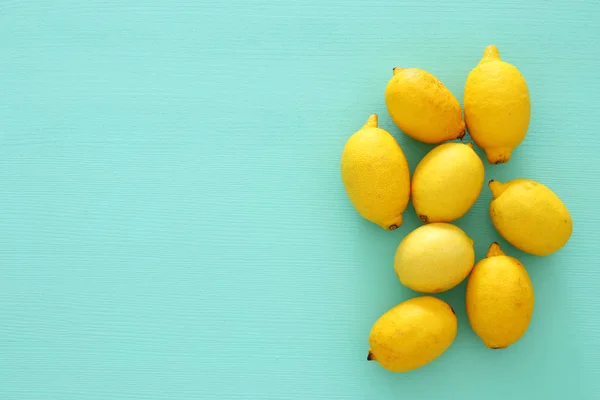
[(530, 216), (375, 175), (422, 107), (447, 182), (499, 299), (434, 258), (412, 334), (497, 106)]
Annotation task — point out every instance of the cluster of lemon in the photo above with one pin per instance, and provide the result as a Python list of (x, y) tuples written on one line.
[(445, 184)]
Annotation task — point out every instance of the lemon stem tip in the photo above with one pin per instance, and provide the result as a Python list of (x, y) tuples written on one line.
[(372, 121), (491, 53), (494, 250), (370, 356), (496, 188)]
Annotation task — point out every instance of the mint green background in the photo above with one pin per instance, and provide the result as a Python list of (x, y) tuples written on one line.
[(173, 221)]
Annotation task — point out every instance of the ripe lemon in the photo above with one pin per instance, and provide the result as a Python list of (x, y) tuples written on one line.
[(412, 334), (497, 106), (422, 107), (530, 216), (375, 175), (499, 299), (447, 182), (434, 258)]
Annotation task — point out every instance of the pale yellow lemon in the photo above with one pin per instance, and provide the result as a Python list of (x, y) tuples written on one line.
[(497, 106), (530, 216), (375, 175), (422, 107), (412, 334), (500, 299), (434, 258), (447, 182)]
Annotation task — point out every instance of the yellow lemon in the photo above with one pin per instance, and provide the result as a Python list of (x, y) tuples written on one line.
[(530, 216), (434, 258), (422, 107), (412, 334), (497, 107), (447, 182), (375, 175), (499, 299)]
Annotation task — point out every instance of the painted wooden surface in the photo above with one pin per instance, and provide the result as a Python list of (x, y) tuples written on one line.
[(173, 221)]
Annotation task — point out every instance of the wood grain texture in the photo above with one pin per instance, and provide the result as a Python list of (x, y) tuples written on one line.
[(173, 221)]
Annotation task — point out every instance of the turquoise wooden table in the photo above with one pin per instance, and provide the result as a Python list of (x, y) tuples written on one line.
[(174, 224)]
